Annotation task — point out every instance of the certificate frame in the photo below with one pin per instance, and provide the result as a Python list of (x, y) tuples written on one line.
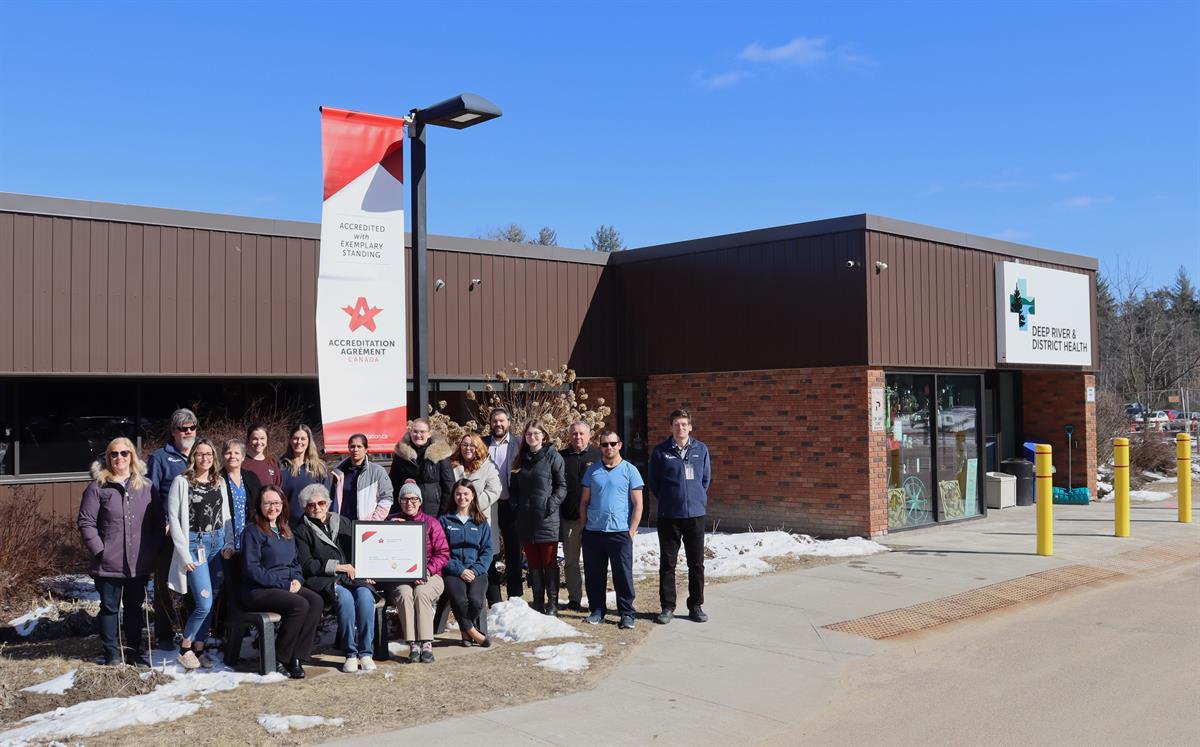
[(389, 550)]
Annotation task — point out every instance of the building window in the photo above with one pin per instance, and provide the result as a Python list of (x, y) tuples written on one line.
[(66, 423)]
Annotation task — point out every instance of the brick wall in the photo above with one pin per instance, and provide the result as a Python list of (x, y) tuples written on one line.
[(790, 448), (1052, 399)]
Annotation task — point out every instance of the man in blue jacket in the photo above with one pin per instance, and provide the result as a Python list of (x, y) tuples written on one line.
[(680, 473), (162, 468)]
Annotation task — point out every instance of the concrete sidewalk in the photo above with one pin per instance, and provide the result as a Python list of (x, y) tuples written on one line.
[(763, 664)]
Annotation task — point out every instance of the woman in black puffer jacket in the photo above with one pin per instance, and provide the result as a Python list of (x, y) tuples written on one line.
[(537, 487)]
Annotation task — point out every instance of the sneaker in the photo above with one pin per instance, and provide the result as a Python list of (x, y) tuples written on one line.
[(664, 617), (427, 652), (351, 665), (696, 614), (414, 652), (366, 663), (626, 622), (595, 618), (188, 660)]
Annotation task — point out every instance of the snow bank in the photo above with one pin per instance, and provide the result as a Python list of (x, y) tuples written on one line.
[(56, 686), (27, 623), (167, 702), (276, 724), (77, 587), (517, 622), (566, 657), (1149, 496), (745, 554)]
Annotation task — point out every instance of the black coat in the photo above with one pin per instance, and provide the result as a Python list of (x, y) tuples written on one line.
[(431, 470), (537, 491), (575, 464), (318, 554)]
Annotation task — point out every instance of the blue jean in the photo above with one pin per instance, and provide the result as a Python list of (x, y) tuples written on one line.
[(204, 582), (355, 609)]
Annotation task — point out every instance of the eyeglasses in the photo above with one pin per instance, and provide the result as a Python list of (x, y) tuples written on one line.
[(272, 504), (204, 455), (609, 444), (115, 454), (186, 428), (411, 499)]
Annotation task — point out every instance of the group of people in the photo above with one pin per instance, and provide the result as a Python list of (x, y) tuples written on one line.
[(275, 535)]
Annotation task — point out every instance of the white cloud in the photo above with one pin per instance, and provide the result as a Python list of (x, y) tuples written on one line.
[(1082, 202), (718, 81), (806, 51)]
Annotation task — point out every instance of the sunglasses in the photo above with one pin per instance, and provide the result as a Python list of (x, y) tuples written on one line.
[(318, 503), (609, 444), (186, 428), (122, 454)]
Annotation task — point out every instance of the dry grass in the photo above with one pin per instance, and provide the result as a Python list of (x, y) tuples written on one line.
[(460, 682), (33, 546)]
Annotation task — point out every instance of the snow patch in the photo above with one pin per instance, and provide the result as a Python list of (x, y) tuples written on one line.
[(745, 554), (72, 586), (1149, 496), (276, 724), (27, 623), (56, 686), (566, 657), (517, 622), (167, 702)]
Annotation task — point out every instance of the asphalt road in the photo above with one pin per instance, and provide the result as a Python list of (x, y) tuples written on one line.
[(1114, 665)]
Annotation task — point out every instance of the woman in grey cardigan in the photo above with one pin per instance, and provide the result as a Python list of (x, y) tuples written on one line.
[(121, 527), (202, 532)]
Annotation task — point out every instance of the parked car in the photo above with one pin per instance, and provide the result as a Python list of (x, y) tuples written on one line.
[(1157, 418), (1172, 414), (1135, 410)]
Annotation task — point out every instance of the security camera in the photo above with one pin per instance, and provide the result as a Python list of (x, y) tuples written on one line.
[(850, 264), (880, 266), (439, 284)]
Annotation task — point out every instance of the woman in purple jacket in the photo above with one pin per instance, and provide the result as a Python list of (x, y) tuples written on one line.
[(120, 527), (273, 581), (416, 600)]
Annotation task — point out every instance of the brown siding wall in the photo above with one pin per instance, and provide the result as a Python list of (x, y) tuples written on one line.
[(784, 304), (59, 499), (935, 304), (96, 297)]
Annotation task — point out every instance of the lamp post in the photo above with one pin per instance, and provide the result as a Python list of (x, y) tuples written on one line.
[(458, 113)]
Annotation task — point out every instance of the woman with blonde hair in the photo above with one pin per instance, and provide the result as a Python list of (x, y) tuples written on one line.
[(302, 466), (537, 487), (472, 463), (121, 527), (202, 532)]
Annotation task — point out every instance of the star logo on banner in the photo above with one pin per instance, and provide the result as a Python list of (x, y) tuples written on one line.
[(362, 315)]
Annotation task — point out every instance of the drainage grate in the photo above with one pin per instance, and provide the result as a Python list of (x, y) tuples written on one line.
[(1010, 593)]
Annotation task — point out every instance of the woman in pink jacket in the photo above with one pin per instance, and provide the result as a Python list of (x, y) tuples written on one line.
[(417, 600)]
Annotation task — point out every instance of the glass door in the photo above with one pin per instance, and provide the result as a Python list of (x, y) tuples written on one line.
[(958, 425), (910, 450)]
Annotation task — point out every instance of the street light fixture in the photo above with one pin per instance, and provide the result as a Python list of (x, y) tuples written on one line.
[(458, 113)]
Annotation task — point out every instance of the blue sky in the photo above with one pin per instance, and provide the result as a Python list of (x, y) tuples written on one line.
[(1072, 126)]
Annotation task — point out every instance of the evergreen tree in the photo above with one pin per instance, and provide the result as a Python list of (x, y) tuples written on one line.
[(512, 233), (547, 236), (606, 239), (1183, 294)]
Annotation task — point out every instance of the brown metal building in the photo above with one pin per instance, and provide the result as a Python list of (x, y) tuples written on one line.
[(774, 339)]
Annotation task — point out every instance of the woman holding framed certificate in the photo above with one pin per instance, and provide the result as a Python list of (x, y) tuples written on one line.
[(416, 600)]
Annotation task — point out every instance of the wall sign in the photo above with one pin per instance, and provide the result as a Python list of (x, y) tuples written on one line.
[(1043, 316), (877, 409)]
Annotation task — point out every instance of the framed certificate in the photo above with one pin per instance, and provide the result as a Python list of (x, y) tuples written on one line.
[(389, 550)]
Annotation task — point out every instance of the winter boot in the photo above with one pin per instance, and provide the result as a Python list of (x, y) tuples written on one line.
[(537, 585), (551, 578)]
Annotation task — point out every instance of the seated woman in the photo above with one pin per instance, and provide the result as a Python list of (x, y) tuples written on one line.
[(465, 574), (323, 545), (273, 582), (416, 600), (201, 531)]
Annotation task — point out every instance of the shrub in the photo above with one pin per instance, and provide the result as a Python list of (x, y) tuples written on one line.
[(1150, 452), (33, 545), (218, 424), (1111, 422)]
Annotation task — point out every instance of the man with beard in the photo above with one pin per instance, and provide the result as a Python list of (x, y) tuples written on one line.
[(162, 468), (501, 449), (425, 459)]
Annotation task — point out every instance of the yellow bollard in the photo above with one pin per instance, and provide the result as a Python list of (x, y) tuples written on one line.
[(1121, 485), (1044, 479), (1183, 472)]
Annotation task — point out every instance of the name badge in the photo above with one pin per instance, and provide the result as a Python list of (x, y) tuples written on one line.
[(688, 472)]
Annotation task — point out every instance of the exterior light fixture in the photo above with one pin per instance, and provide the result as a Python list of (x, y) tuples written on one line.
[(475, 283)]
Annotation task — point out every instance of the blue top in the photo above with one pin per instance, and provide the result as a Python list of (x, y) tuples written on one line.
[(608, 507), (268, 560), (682, 493), (237, 504), (293, 484), (470, 545), (162, 468)]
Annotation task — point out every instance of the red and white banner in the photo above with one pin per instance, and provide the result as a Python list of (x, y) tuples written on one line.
[(361, 294)]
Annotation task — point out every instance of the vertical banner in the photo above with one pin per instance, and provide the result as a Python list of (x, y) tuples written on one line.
[(361, 294)]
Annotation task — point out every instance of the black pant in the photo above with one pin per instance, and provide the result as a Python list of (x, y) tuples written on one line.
[(512, 548), (599, 550), (467, 600), (300, 612), (670, 531), (164, 610), (114, 592)]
